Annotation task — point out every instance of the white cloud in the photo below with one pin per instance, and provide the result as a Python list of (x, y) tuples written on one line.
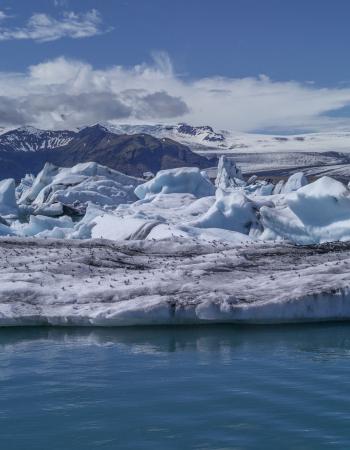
[(44, 28), (60, 3), (62, 93), (3, 15)]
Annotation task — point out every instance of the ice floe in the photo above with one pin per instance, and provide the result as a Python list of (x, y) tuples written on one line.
[(171, 281)]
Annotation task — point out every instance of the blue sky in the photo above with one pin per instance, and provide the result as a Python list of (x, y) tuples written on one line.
[(226, 62)]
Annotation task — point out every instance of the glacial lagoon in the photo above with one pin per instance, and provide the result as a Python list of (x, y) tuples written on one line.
[(205, 387)]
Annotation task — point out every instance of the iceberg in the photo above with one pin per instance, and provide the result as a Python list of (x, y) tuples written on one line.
[(8, 203), (25, 184), (76, 186), (228, 176), (90, 201), (294, 182), (43, 224), (184, 180), (231, 211), (169, 282), (315, 213)]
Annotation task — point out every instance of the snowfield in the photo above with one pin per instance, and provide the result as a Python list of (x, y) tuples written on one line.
[(177, 281)]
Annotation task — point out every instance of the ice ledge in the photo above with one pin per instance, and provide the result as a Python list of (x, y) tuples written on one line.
[(104, 283)]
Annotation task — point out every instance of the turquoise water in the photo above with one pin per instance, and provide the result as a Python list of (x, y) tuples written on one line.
[(176, 388)]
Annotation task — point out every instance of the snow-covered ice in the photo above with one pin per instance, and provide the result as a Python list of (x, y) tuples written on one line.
[(294, 182), (228, 174), (8, 203), (318, 212), (231, 211), (92, 201), (174, 281), (90, 246), (184, 180), (78, 185)]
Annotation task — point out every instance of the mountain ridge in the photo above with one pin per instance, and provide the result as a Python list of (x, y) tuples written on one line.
[(25, 150)]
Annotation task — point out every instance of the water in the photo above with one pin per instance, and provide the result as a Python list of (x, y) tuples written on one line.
[(176, 388)]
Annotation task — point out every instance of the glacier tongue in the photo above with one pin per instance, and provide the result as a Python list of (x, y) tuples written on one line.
[(97, 282)]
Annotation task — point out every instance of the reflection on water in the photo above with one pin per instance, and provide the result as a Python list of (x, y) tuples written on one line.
[(175, 387)]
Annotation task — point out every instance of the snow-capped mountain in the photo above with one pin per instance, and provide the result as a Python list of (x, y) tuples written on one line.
[(29, 139), (205, 138), (136, 148), (184, 133), (26, 150), (199, 138)]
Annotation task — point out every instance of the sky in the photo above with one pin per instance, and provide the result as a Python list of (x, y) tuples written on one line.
[(278, 66)]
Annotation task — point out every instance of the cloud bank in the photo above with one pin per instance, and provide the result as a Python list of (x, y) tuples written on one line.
[(64, 93), (44, 28)]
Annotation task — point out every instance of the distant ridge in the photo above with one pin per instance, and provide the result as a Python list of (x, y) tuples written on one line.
[(25, 150)]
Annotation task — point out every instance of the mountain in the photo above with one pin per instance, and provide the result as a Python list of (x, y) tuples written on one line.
[(198, 138), (25, 150), (30, 139), (135, 149), (205, 139)]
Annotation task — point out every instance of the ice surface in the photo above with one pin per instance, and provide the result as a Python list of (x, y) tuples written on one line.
[(51, 210), (25, 184), (184, 180), (231, 211), (181, 253), (98, 282), (175, 203), (83, 183), (318, 212), (42, 224), (259, 188), (294, 182), (8, 203), (228, 175), (278, 188)]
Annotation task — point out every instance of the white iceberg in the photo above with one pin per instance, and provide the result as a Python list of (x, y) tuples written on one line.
[(76, 186), (25, 184), (294, 182), (232, 210), (8, 203), (42, 224), (228, 175), (318, 212), (184, 180)]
